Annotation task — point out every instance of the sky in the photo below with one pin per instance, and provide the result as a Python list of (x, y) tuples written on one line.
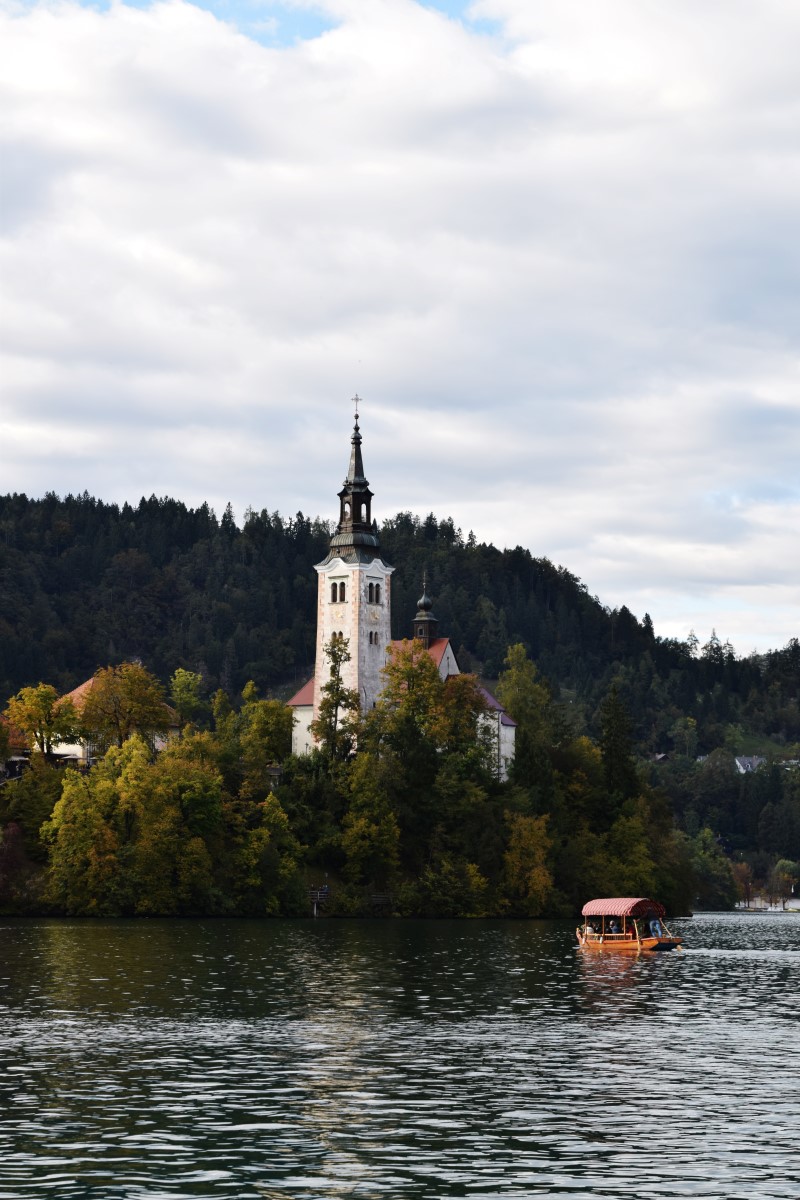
[(553, 246)]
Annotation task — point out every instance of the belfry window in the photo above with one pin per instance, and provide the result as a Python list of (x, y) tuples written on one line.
[(334, 592), (377, 593), (341, 593), (371, 593)]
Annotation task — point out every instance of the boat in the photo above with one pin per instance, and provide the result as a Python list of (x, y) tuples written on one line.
[(625, 923)]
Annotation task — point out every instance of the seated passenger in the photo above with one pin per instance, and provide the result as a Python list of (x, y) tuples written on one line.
[(655, 928)]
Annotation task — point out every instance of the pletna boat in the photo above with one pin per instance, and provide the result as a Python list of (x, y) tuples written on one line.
[(625, 923)]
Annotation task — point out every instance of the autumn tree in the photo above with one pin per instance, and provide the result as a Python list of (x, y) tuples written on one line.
[(43, 717), (122, 701), (527, 879)]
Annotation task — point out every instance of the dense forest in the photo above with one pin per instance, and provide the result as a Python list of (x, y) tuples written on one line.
[(87, 584)]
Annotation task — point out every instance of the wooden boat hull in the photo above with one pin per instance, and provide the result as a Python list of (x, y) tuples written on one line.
[(617, 944)]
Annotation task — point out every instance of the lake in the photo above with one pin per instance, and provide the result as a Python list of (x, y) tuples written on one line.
[(300, 1060)]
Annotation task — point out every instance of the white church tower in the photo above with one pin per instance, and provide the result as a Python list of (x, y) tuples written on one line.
[(353, 602)]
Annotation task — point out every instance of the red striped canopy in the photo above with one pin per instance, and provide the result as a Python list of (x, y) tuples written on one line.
[(624, 906)]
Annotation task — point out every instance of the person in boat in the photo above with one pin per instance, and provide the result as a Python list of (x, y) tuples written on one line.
[(655, 928), (613, 925)]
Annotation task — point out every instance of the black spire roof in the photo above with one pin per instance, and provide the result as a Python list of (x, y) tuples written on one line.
[(356, 536)]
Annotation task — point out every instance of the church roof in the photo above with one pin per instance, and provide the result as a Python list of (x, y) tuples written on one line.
[(303, 698), (495, 705), (436, 649)]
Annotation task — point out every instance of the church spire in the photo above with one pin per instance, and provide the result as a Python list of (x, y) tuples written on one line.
[(356, 530)]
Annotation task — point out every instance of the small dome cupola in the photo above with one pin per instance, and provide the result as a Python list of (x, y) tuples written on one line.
[(425, 623)]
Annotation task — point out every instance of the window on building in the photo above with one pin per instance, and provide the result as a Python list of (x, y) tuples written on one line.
[(334, 592), (377, 593), (341, 592)]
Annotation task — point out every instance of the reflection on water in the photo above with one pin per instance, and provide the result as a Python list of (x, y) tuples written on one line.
[(307, 1060)]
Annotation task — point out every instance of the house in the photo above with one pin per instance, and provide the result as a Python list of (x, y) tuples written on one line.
[(82, 752)]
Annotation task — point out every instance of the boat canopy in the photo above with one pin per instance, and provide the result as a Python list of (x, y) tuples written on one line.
[(624, 906)]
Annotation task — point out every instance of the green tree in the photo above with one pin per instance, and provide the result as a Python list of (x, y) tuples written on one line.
[(616, 749), (715, 885), (29, 802), (370, 831), (684, 736), (136, 836), (265, 740), (267, 864), (43, 717), (186, 693), (337, 722), (526, 697)]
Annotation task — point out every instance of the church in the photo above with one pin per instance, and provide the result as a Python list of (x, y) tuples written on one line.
[(354, 602)]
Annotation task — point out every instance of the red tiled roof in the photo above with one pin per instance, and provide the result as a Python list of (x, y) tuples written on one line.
[(624, 906), (304, 697), (436, 649), (79, 695)]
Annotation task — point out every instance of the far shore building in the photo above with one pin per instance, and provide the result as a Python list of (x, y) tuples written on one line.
[(354, 600), (82, 753)]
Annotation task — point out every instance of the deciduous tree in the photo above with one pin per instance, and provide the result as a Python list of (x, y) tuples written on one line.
[(122, 701), (44, 717)]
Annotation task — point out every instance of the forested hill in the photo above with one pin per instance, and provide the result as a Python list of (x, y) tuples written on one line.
[(86, 584)]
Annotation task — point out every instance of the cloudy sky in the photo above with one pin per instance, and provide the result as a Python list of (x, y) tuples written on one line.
[(554, 245)]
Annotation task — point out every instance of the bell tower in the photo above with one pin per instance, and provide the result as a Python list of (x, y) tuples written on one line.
[(425, 623), (354, 589)]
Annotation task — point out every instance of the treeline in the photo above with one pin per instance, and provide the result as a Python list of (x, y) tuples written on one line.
[(399, 812), (86, 584)]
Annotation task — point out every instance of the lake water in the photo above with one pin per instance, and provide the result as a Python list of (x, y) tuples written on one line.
[(308, 1060)]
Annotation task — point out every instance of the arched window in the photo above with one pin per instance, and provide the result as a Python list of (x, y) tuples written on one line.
[(341, 592), (363, 516), (334, 593), (371, 593), (377, 593), (347, 508)]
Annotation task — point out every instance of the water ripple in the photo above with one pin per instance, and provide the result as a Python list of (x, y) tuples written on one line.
[(292, 1061)]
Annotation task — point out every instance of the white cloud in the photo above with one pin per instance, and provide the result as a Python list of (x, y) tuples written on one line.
[(560, 264)]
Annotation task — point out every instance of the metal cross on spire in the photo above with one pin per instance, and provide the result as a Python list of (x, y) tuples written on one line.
[(356, 401)]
